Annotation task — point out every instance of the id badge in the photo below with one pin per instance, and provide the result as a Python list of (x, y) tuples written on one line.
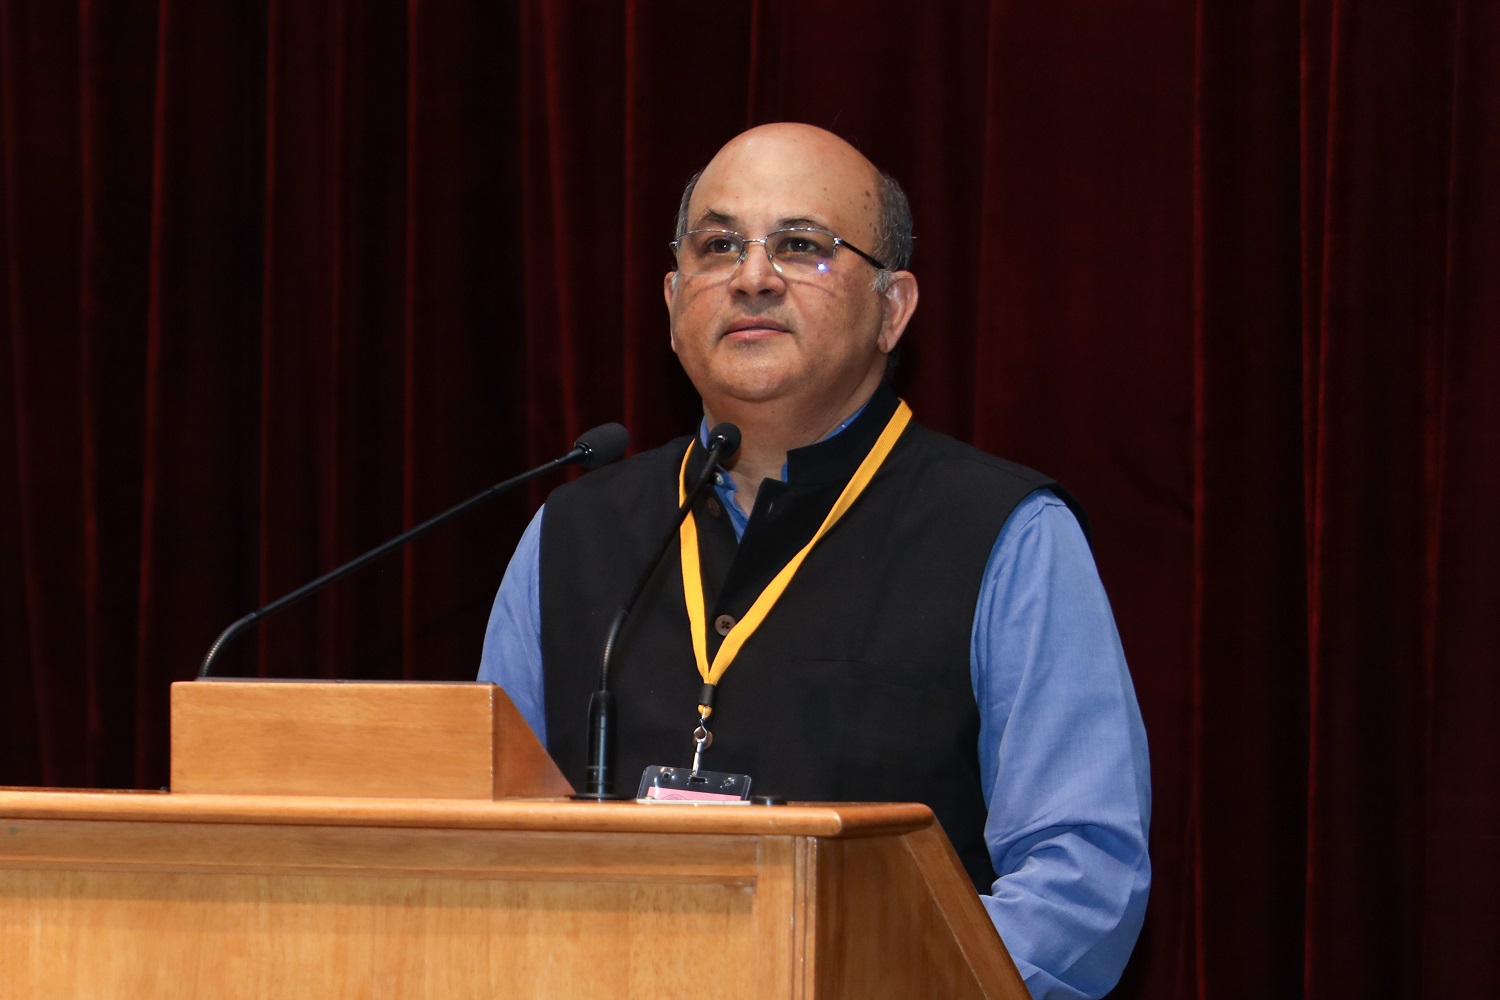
[(682, 784)]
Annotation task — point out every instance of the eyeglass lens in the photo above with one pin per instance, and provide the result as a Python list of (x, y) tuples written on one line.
[(715, 251)]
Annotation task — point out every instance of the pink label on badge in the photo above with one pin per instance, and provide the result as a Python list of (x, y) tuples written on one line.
[(687, 795)]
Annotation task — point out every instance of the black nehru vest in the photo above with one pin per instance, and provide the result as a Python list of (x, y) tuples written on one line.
[(856, 687)]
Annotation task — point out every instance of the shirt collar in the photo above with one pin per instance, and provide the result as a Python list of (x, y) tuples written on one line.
[(835, 457)]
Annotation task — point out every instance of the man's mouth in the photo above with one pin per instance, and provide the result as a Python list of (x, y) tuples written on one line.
[(751, 328)]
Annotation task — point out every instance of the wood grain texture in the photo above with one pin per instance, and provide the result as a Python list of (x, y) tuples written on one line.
[(334, 850), (969, 928), (164, 935), (780, 920), (842, 820), (164, 895), (385, 740), (888, 925)]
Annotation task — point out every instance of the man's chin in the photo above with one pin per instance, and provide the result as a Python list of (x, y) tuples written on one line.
[(743, 390)]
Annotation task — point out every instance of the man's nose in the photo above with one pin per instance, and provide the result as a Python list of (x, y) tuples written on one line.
[(755, 274)]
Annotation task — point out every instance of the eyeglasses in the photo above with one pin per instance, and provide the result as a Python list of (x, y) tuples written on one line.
[(795, 252)]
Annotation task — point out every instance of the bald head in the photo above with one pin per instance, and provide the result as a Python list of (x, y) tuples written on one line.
[(795, 139), (792, 157), (795, 156)]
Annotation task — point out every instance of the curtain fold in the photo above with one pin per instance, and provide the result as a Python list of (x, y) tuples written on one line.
[(1385, 176), (283, 279), (1250, 629), (1460, 816)]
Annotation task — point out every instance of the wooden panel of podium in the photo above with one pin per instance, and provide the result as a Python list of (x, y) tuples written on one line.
[(271, 879)]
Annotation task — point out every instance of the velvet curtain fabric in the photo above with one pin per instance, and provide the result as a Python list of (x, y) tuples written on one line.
[(281, 279)]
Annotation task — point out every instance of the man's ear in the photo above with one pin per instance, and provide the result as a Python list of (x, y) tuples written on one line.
[(668, 293), (900, 302)]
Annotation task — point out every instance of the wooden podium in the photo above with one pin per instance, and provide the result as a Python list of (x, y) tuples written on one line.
[(329, 840)]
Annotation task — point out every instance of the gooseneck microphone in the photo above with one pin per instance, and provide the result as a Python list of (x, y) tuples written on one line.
[(723, 441), (598, 447)]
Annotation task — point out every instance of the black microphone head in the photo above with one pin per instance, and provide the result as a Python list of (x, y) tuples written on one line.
[(729, 437), (602, 445)]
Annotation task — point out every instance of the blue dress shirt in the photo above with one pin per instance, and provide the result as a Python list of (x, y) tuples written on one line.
[(1062, 751)]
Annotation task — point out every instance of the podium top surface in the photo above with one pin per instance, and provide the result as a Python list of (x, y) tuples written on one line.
[(831, 820)]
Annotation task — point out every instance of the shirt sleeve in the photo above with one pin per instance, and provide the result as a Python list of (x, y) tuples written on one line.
[(1063, 759), (512, 654)]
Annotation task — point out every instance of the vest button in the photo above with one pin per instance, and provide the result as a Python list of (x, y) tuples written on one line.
[(723, 624), (714, 507)]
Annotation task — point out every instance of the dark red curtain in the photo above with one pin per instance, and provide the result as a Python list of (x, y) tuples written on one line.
[(282, 278)]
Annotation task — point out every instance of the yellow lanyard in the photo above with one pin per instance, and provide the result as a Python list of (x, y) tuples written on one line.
[(692, 573)]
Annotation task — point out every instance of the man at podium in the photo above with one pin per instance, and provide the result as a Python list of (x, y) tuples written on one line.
[(875, 611)]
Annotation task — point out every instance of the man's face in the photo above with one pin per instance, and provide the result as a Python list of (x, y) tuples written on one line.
[(811, 347)]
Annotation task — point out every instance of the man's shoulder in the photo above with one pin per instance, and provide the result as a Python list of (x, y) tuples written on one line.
[(950, 456), (959, 467)]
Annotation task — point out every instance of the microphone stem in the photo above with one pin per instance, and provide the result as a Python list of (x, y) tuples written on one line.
[(709, 464), (599, 779), (303, 591)]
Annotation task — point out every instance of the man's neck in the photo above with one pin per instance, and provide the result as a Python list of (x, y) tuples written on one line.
[(767, 436)]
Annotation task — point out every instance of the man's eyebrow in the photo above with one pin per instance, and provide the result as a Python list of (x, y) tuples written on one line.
[(713, 217), (716, 218)]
